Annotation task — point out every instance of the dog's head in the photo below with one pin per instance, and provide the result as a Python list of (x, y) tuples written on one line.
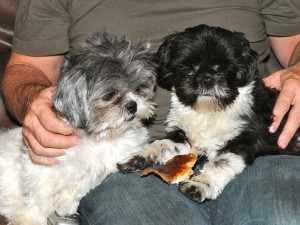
[(206, 65), (107, 86)]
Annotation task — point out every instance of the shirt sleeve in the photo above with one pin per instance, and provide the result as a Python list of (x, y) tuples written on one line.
[(41, 27), (281, 17)]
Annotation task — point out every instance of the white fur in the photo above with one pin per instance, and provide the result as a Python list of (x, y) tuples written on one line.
[(162, 150), (215, 175), (29, 192), (208, 131)]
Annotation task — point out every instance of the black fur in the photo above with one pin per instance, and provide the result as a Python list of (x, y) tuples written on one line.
[(211, 55)]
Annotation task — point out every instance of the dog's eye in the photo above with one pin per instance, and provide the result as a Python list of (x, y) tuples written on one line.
[(186, 70), (216, 68), (189, 72), (141, 87), (109, 96)]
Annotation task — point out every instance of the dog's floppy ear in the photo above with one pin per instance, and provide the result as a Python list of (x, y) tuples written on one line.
[(248, 59), (70, 98), (162, 58)]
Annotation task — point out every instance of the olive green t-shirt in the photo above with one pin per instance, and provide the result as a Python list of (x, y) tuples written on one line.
[(48, 27)]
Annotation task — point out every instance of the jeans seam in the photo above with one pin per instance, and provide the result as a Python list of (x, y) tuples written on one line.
[(86, 216)]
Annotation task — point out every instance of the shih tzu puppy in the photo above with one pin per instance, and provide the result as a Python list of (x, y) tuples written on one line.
[(220, 108), (105, 93)]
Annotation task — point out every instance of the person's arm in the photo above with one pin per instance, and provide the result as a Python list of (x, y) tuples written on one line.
[(27, 87), (287, 51), (24, 78)]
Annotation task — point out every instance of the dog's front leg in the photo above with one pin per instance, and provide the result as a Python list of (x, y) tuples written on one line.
[(214, 176), (158, 152)]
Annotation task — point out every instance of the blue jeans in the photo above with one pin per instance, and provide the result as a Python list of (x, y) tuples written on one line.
[(268, 192)]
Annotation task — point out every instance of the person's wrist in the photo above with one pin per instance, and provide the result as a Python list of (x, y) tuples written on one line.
[(29, 93), (295, 69)]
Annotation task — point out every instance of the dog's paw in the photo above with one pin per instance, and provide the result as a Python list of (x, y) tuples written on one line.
[(166, 149), (158, 152), (195, 190), (136, 163)]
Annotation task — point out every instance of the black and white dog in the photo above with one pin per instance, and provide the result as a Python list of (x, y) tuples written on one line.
[(220, 108)]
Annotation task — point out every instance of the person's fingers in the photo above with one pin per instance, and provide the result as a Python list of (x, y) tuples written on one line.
[(288, 99), (42, 109), (44, 133), (55, 125), (51, 140), (281, 107), (39, 149), (46, 138), (46, 161), (291, 126), (273, 81), (288, 96), (43, 125)]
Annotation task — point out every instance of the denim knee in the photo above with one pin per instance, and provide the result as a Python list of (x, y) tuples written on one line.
[(268, 192)]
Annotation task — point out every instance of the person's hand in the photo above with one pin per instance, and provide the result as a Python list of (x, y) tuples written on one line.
[(45, 135), (288, 82)]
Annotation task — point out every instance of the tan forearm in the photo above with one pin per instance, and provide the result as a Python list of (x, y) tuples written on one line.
[(295, 57), (21, 84)]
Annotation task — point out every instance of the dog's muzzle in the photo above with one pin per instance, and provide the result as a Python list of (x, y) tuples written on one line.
[(207, 82)]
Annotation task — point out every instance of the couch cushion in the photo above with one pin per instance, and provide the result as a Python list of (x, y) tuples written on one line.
[(8, 9), (7, 18)]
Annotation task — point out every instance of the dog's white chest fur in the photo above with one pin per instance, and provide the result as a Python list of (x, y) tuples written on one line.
[(208, 130)]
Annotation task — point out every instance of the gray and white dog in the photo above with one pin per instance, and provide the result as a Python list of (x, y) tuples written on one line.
[(105, 92)]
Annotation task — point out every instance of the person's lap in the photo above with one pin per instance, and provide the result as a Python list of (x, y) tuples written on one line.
[(268, 192)]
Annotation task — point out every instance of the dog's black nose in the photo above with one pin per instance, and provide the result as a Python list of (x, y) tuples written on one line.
[(207, 81), (131, 107)]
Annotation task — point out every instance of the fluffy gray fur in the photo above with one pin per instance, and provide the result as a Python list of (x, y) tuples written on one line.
[(105, 92), (106, 64)]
